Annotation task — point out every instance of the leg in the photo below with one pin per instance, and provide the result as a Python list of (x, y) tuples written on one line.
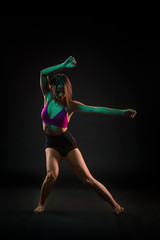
[(53, 160), (76, 161)]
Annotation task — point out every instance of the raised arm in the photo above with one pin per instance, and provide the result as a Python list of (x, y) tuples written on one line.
[(44, 74), (85, 109)]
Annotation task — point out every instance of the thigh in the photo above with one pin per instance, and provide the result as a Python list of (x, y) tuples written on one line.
[(53, 160), (77, 163)]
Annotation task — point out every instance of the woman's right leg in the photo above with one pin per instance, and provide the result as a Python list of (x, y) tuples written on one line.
[(53, 161)]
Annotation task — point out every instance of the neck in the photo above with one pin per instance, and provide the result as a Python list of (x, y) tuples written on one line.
[(60, 102)]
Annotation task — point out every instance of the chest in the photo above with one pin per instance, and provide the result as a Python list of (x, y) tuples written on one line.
[(53, 109)]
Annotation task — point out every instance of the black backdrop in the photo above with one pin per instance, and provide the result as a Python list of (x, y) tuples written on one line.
[(117, 66)]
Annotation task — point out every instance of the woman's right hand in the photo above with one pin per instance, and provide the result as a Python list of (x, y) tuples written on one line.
[(70, 62)]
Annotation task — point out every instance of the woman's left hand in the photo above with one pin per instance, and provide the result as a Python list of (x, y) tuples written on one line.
[(70, 62), (129, 113)]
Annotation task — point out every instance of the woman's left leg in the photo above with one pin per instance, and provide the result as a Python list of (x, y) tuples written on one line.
[(76, 161)]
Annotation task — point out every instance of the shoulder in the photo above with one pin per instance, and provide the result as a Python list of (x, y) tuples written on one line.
[(80, 107), (75, 106)]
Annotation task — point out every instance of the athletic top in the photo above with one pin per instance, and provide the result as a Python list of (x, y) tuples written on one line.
[(60, 120)]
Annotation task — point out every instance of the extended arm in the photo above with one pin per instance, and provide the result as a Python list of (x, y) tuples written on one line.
[(85, 109), (44, 74)]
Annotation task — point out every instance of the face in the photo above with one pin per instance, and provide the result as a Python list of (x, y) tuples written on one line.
[(60, 92)]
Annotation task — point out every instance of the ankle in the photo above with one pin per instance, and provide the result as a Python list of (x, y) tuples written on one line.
[(42, 204)]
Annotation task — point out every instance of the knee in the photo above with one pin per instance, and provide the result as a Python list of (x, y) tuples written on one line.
[(51, 177), (88, 180)]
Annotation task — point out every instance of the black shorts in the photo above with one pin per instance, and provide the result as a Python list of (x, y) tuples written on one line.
[(63, 143)]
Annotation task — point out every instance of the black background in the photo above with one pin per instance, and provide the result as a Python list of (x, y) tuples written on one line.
[(117, 67)]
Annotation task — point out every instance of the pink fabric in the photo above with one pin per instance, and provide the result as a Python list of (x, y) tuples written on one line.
[(60, 120)]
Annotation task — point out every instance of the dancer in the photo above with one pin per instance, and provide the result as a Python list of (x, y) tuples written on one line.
[(59, 143)]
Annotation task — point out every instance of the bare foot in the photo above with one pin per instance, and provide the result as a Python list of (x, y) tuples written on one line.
[(39, 209), (118, 210)]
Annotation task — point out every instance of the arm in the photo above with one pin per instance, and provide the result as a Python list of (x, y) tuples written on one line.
[(85, 109), (44, 77), (44, 74), (49, 70)]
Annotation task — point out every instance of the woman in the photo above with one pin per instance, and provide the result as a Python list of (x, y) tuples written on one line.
[(57, 111)]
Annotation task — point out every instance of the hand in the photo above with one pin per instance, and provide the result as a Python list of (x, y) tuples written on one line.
[(70, 62), (129, 113)]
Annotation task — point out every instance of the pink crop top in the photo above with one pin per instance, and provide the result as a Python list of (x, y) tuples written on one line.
[(60, 120)]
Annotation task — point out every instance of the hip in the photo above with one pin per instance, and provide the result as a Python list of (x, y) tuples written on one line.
[(63, 142), (61, 139)]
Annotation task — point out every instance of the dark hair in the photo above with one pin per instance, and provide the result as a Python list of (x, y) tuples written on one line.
[(58, 79)]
